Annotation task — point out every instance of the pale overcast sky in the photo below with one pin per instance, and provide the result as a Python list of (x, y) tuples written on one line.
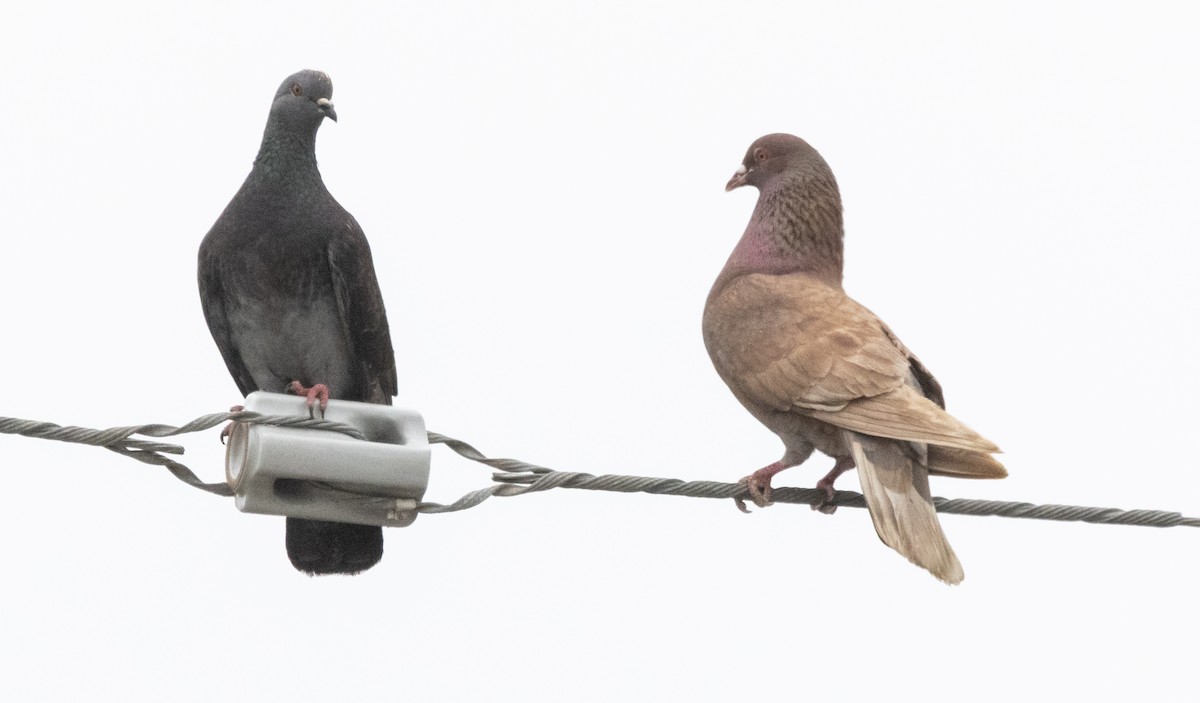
[(541, 184)]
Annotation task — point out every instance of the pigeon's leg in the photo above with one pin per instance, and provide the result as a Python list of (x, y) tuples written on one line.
[(229, 427), (841, 466), (759, 485), (318, 391)]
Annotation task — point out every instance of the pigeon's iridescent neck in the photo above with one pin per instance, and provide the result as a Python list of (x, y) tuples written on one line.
[(287, 151), (796, 227)]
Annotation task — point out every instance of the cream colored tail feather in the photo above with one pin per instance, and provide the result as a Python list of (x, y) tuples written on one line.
[(896, 488)]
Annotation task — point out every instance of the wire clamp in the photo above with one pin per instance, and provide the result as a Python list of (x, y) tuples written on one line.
[(322, 475)]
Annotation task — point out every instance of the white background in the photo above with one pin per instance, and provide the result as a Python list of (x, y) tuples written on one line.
[(541, 184)]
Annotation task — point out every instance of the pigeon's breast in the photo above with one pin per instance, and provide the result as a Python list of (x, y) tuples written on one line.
[(284, 339)]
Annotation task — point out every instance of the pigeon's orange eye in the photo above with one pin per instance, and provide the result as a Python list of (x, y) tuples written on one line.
[(760, 154), (296, 89)]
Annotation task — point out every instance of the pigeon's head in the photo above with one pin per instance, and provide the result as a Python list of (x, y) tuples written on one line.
[(302, 101), (773, 155)]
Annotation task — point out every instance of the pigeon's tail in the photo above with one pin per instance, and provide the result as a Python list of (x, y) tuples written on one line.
[(317, 547), (896, 487)]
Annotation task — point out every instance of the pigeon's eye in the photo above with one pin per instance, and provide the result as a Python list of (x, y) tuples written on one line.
[(296, 89), (760, 154)]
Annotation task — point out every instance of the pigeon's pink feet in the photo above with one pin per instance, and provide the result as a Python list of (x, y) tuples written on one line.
[(758, 484), (229, 427), (318, 392), (840, 467)]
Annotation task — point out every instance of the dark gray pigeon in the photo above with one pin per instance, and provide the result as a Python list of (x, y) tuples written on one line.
[(290, 296)]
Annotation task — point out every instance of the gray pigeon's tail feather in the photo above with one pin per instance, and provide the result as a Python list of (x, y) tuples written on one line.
[(317, 547), (896, 487)]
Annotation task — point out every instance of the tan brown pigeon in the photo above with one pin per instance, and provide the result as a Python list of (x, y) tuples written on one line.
[(822, 371)]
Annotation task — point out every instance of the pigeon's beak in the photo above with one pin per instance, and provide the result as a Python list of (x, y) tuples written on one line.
[(739, 178), (326, 107)]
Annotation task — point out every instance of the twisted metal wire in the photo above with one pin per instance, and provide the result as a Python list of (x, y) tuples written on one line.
[(517, 477), (521, 477), (120, 440)]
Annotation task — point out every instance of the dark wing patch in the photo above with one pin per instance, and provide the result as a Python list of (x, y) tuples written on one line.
[(360, 306), (930, 387), (212, 300)]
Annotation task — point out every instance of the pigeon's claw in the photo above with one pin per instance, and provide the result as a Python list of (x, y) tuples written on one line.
[(826, 506), (758, 485), (840, 467), (760, 489), (228, 429), (760, 493), (318, 392)]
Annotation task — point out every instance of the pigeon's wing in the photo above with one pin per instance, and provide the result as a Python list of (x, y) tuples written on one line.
[(212, 300), (791, 343), (943, 460), (787, 341), (360, 306)]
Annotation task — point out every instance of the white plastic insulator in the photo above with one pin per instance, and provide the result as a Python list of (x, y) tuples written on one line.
[(324, 475)]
